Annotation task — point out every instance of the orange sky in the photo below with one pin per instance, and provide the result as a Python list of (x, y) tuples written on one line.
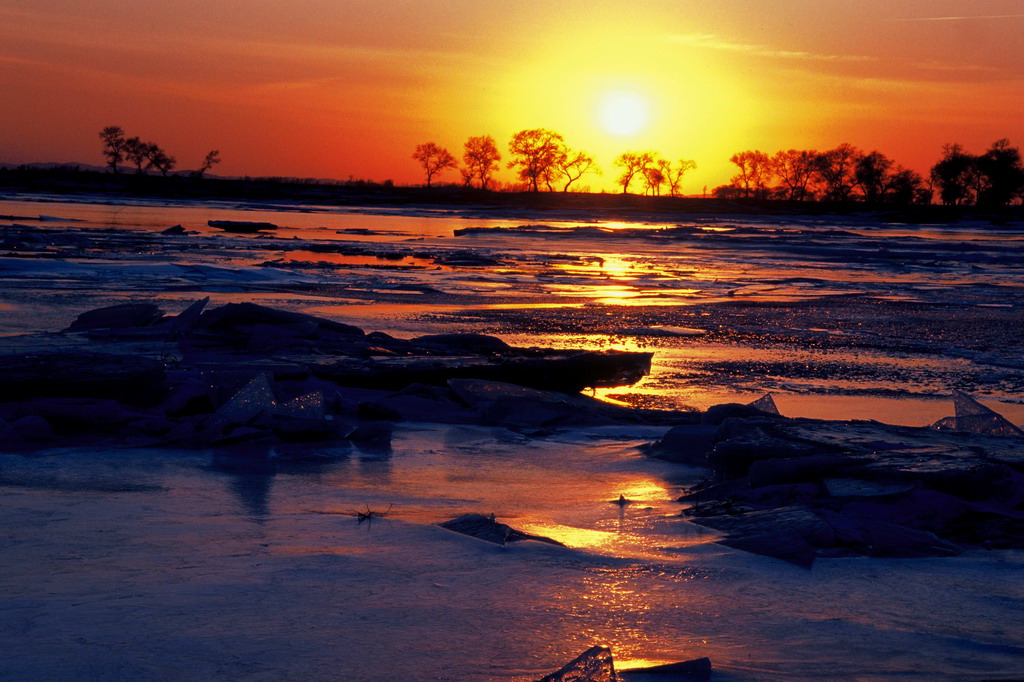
[(339, 88)]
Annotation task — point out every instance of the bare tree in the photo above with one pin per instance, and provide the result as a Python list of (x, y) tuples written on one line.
[(836, 168), (955, 175), (434, 159), (212, 158), (113, 146), (795, 169), (873, 173), (137, 153), (1001, 173), (654, 176), (539, 154), (908, 187), (481, 157), (159, 159), (755, 171), (632, 164), (674, 174), (574, 165)]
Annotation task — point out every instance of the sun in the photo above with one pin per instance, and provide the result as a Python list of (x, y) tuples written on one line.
[(623, 112)]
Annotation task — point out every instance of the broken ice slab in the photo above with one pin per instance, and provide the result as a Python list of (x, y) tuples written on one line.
[(241, 226), (309, 406), (766, 404), (120, 316), (593, 665), (486, 528), (597, 664), (372, 437), (253, 398), (972, 416), (187, 319), (965, 405), (697, 669)]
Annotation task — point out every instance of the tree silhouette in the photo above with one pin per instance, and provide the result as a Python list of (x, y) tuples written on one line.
[(795, 169), (574, 165), (908, 187), (159, 159), (873, 173), (137, 153), (674, 174), (755, 171), (654, 177), (481, 157), (836, 170), (729, 191), (539, 154), (434, 159), (113, 146), (956, 175), (632, 164), (211, 158), (1001, 174)]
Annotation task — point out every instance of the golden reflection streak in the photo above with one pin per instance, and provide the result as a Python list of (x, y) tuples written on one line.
[(618, 288), (620, 530)]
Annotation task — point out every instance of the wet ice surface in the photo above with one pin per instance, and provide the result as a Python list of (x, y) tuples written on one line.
[(163, 565)]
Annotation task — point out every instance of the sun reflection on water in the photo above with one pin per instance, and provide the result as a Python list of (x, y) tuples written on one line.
[(623, 527)]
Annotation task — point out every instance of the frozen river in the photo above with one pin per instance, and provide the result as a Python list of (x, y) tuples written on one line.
[(166, 565), (839, 317)]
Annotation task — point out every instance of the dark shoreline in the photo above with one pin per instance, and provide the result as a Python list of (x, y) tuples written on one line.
[(70, 181)]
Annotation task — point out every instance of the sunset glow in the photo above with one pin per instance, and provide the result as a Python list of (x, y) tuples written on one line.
[(623, 113), (348, 89)]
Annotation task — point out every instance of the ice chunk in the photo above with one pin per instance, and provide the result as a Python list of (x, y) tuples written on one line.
[(696, 669), (241, 226), (486, 528), (253, 398), (766, 404), (187, 319), (593, 665), (122, 315), (970, 415), (309, 406)]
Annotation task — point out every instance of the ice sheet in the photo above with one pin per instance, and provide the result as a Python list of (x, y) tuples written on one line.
[(162, 565)]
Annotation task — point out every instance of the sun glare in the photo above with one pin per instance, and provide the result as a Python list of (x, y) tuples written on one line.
[(623, 113)]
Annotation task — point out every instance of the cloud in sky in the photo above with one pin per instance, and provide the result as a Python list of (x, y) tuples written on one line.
[(714, 42), (966, 18)]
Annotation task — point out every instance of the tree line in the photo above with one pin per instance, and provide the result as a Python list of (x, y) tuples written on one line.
[(143, 155), (839, 174), (995, 178), (542, 157), (544, 161)]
